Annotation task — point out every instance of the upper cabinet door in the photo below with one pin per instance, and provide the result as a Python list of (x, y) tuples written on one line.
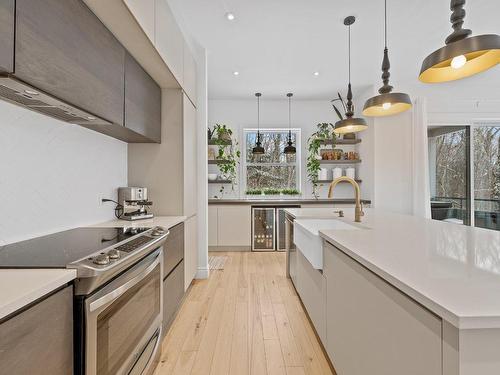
[(189, 83), (62, 48), (168, 39), (7, 36), (142, 101), (144, 13)]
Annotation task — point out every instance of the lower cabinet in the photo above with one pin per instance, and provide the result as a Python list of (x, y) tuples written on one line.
[(230, 226), (173, 291), (311, 286), (39, 340), (372, 327)]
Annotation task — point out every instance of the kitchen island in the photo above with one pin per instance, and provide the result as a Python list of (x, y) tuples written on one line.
[(400, 294)]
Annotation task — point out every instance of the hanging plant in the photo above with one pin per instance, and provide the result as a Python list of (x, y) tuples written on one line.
[(228, 154), (323, 133)]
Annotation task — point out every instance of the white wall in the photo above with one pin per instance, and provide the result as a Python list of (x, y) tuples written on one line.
[(306, 114), (52, 174)]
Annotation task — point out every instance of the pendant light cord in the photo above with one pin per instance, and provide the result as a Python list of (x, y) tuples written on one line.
[(385, 22), (349, 42)]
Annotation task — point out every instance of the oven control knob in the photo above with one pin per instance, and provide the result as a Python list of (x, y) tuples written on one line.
[(113, 254), (158, 231), (101, 259)]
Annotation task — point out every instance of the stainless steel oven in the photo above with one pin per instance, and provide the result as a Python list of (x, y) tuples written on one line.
[(123, 321)]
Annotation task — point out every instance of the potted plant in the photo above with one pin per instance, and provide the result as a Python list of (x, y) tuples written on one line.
[(290, 192), (227, 153), (222, 133), (324, 132)]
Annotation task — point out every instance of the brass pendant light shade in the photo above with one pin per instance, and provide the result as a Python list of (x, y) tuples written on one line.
[(350, 124), (462, 56), (290, 148), (387, 103), (258, 149)]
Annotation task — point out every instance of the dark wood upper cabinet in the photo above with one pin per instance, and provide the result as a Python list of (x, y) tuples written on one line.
[(62, 48), (7, 36), (142, 101)]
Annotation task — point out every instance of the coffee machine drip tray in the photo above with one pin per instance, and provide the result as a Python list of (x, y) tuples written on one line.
[(132, 216)]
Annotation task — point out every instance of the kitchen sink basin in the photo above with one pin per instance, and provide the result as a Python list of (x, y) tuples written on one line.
[(306, 237)]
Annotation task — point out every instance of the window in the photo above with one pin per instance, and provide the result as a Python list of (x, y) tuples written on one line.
[(274, 169), (464, 165)]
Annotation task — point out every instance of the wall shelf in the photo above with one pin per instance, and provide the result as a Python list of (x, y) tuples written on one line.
[(218, 162), (341, 142), (342, 162), (219, 181)]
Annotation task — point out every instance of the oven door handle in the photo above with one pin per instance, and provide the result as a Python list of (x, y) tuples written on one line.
[(131, 278)]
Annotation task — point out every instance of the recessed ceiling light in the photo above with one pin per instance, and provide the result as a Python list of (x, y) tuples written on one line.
[(316, 74), (230, 16), (236, 73), (31, 92)]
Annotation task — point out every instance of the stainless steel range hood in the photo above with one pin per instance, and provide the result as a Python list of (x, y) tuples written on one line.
[(17, 92)]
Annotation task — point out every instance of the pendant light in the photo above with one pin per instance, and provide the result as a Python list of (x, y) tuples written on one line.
[(258, 149), (290, 149), (463, 55), (388, 102), (350, 124)]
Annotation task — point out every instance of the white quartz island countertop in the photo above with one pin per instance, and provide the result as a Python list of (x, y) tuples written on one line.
[(162, 221), (20, 287), (453, 270)]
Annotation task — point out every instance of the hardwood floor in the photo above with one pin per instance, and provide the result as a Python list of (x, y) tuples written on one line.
[(244, 320)]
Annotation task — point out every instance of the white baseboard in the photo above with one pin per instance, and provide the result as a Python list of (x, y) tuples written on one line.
[(202, 273)]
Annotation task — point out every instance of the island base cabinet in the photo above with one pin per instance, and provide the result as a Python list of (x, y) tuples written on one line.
[(39, 340), (372, 327)]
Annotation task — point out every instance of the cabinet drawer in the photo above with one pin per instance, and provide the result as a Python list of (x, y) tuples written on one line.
[(311, 286), (39, 340), (173, 291), (173, 249), (63, 49)]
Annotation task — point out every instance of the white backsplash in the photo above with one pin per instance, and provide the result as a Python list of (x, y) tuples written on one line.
[(52, 174)]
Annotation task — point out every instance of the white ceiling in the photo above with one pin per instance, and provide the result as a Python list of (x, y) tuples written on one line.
[(276, 45)]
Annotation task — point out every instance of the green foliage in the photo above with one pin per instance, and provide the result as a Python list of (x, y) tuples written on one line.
[(290, 192), (228, 154), (272, 191), (254, 192), (324, 132)]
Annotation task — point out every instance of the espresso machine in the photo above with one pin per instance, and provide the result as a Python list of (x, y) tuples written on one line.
[(135, 203)]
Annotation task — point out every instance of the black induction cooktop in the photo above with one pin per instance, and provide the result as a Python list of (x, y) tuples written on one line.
[(59, 249)]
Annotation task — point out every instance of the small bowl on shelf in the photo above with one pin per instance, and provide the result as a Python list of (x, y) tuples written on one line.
[(212, 176)]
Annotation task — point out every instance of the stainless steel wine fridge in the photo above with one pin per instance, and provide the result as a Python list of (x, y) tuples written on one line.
[(268, 228)]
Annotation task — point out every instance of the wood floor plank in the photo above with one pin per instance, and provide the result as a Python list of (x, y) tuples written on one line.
[(210, 334), (269, 327), (239, 362), (295, 371), (184, 363), (274, 357), (289, 348), (256, 336)]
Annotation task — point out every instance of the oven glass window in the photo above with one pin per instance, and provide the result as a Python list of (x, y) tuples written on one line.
[(122, 326)]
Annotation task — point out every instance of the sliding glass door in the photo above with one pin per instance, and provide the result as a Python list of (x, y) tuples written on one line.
[(449, 168), (486, 183), (464, 167)]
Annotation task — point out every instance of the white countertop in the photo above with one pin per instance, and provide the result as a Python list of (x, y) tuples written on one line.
[(451, 269), (162, 221), (19, 288)]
